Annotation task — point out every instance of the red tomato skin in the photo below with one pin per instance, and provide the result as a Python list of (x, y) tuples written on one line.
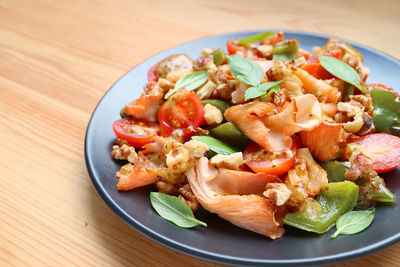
[(174, 106), (282, 165), (152, 73), (388, 160), (137, 141), (316, 70), (231, 47)]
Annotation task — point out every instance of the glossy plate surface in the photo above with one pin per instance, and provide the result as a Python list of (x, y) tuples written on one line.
[(222, 241)]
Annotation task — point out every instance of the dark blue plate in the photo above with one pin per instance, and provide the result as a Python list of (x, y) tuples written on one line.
[(221, 241)]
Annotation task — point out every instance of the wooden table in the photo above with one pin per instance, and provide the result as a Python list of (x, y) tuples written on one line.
[(57, 59)]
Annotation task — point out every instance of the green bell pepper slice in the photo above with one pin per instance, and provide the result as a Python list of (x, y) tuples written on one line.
[(372, 190), (218, 56), (335, 170), (228, 133), (219, 104), (386, 111), (286, 50), (332, 202)]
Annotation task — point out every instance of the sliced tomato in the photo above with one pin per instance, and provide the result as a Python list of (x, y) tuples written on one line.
[(260, 160), (231, 47), (316, 70), (152, 74), (384, 87), (183, 111), (136, 132), (336, 52), (384, 149)]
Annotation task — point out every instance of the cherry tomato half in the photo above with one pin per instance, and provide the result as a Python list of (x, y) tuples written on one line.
[(267, 162), (231, 47), (136, 132), (384, 149), (316, 70), (152, 74), (182, 110)]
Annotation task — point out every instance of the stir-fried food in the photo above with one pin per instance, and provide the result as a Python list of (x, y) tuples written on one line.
[(265, 135)]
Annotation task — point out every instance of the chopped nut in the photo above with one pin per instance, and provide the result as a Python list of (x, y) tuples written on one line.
[(165, 85), (124, 152), (212, 115), (196, 148), (361, 162), (167, 188), (265, 50), (205, 63), (366, 101), (206, 51), (175, 75), (232, 161), (278, 193), (206, 90), (300, 62), (188, 196)]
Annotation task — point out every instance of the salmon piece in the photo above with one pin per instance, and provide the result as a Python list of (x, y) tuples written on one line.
[(319, 88), (324, 141), (329, 109), (131, 176), (240, 182), (248, 118), (251, 212), (293, 85), (156, 146), (308, 114), (147, 105), (145, 171)]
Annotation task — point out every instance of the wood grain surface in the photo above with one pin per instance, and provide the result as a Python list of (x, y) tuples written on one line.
[(58, 58)]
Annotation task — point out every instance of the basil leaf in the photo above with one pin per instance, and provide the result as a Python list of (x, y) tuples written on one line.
[(261, 89), (256, 37), (190, 82), (174, 210), (245, 70), (216, 145), (353, 222), (342, 70), (253, 92)]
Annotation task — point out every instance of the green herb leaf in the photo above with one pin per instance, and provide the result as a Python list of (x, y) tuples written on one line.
[(216, 145), (256, 37), (253, 92), (353, 222), (218, 56), (174, 210), (190, 82), (342, 70), (245, 70), (261, 90)]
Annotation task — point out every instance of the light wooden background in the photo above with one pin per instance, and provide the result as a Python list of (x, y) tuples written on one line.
[(57, 59)]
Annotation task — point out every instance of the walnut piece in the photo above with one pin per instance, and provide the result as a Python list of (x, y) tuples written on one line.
[(187, 195)]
